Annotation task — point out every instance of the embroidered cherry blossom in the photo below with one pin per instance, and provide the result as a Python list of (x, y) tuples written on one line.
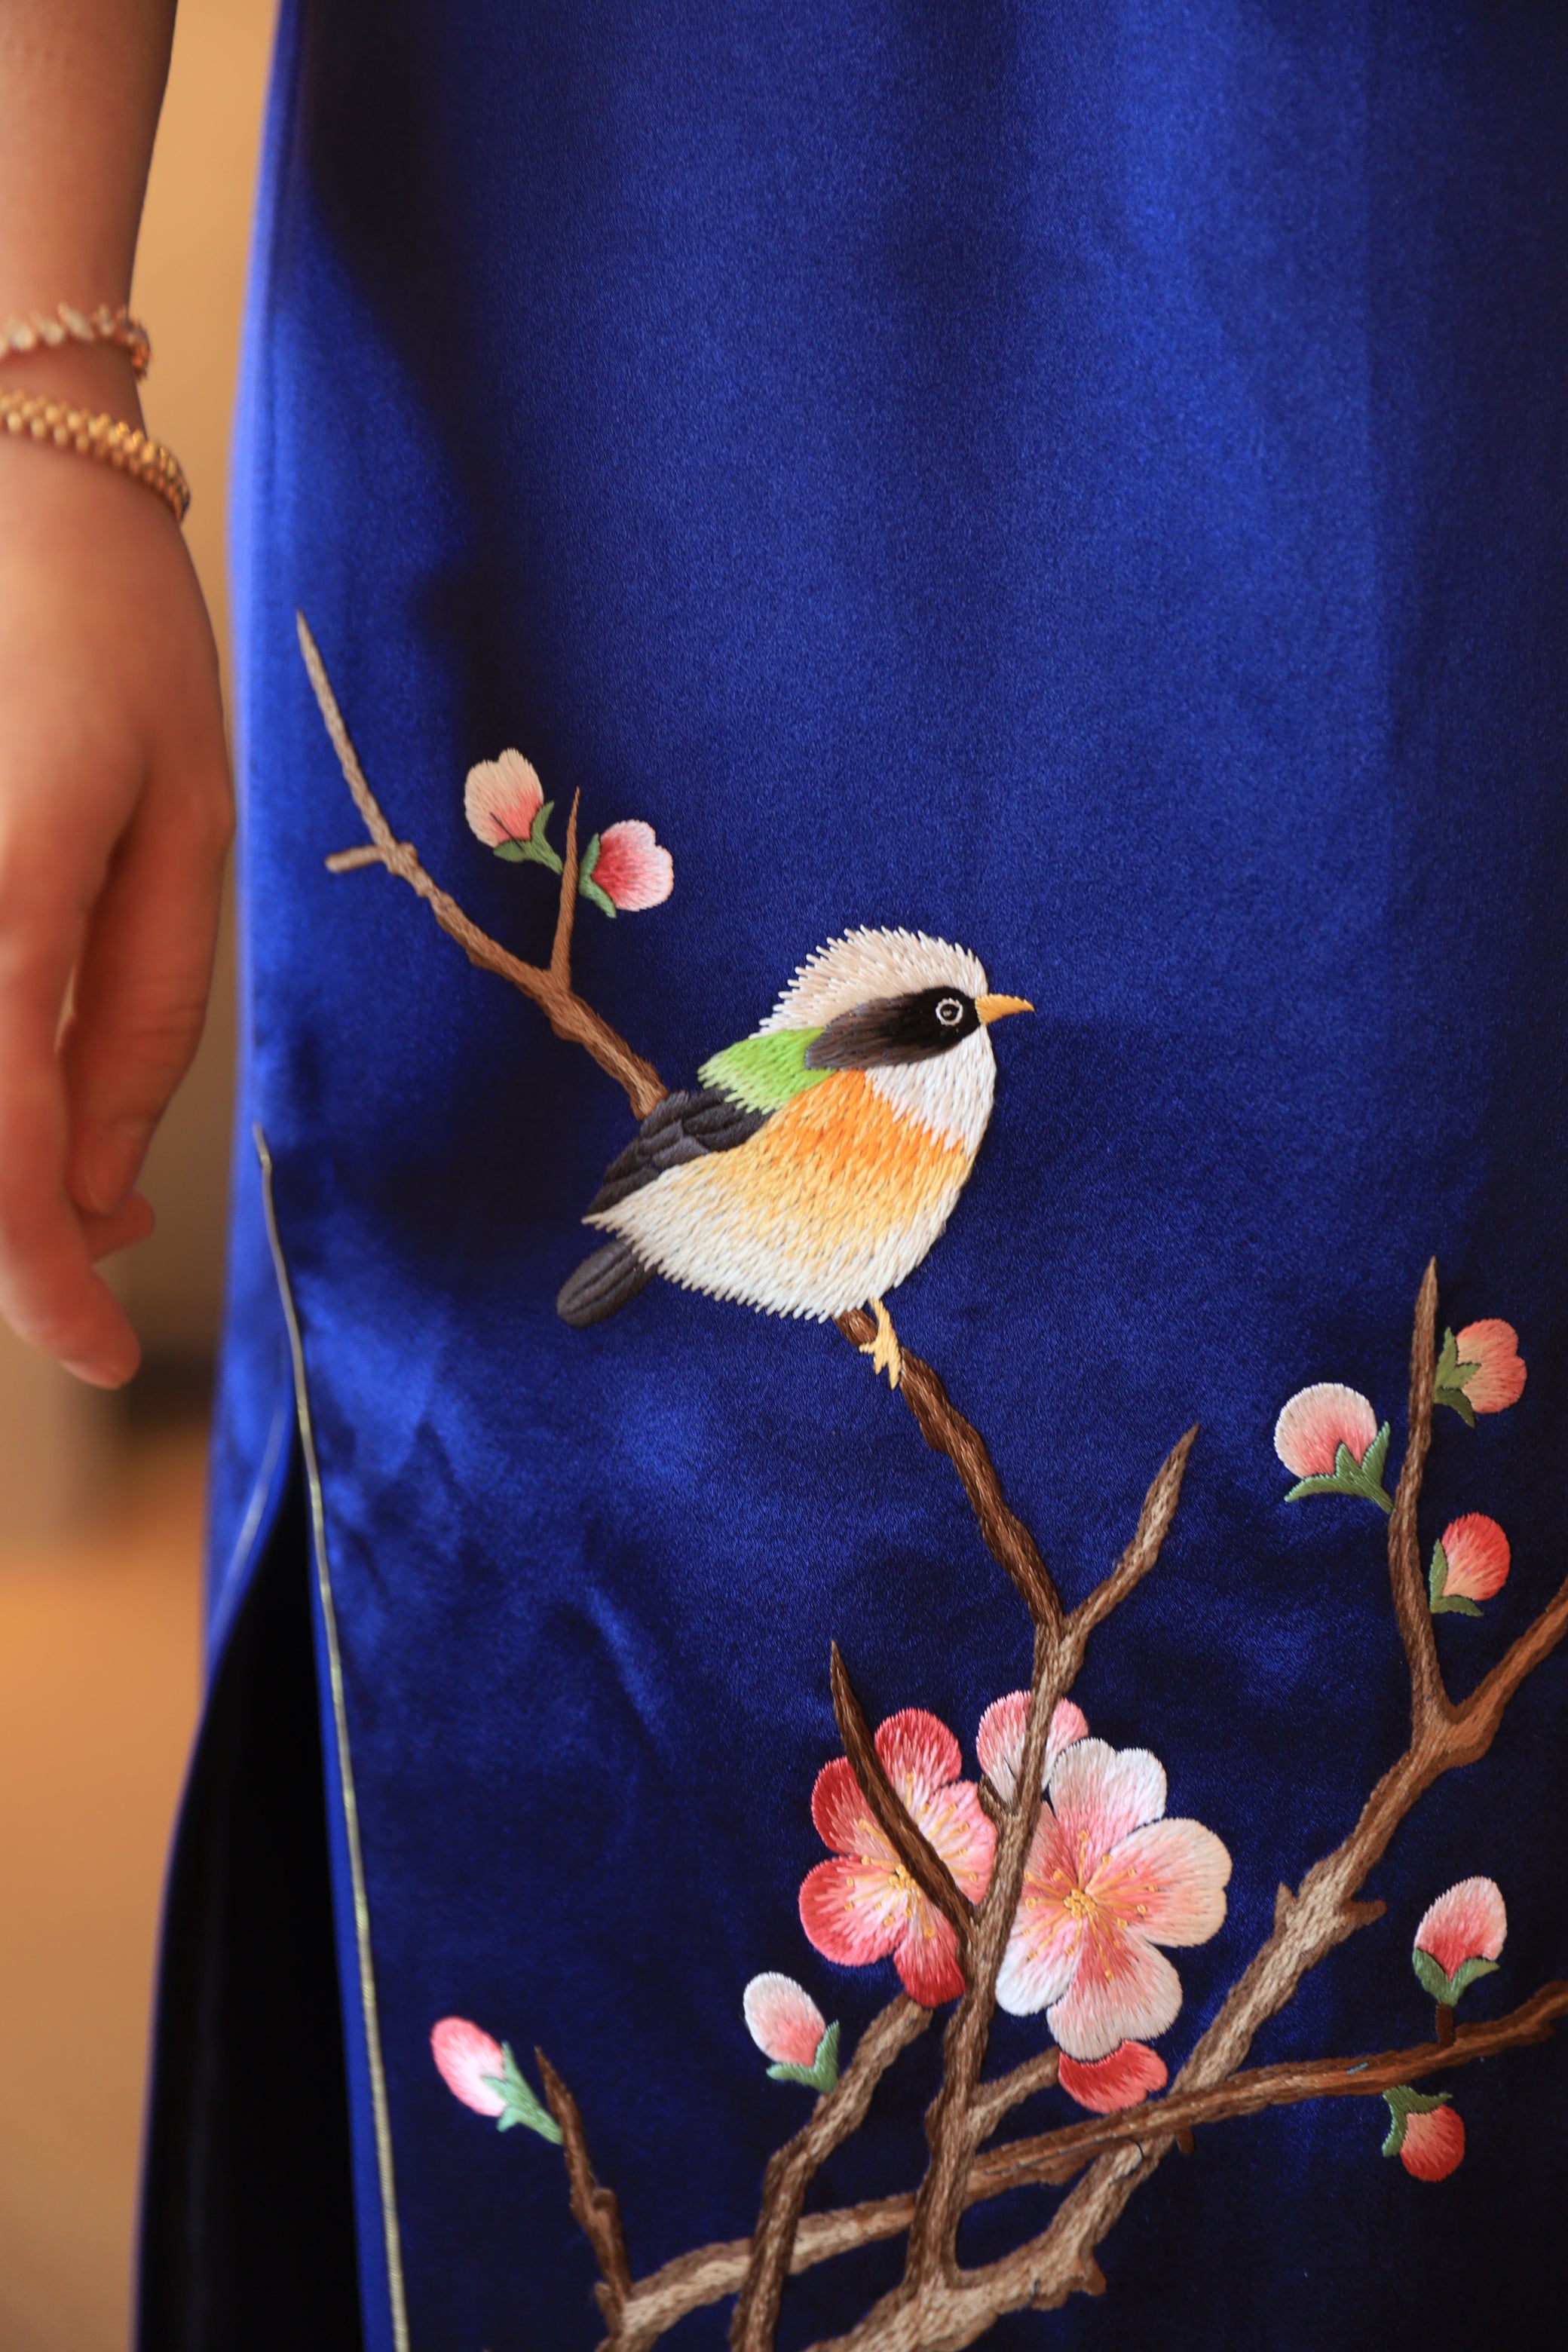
[(1329, 1435), (1106, 1881), (484, 2075), (1479, 1370), (1123, 2080), (999, 1741), (1460, 1938), (625, 867), (787, 2026), (1427, 2134), (472, 2064), (863, 1905), (1469, 1564), (502, 801)]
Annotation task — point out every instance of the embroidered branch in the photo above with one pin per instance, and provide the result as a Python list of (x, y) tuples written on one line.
[(937, 2301), (548, 986)]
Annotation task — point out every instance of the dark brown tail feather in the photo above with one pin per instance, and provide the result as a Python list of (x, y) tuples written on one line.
[(601, 1284)]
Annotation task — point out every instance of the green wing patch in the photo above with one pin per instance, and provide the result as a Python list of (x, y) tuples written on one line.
[(766, 1072)]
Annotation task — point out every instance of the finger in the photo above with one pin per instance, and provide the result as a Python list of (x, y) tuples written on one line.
[(141, 990), (130, 1223), (49, 1290)]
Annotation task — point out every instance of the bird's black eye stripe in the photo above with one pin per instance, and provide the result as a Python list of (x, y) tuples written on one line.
[(894, 1029)]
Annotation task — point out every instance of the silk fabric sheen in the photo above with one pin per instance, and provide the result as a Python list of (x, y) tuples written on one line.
[(1087, 482)]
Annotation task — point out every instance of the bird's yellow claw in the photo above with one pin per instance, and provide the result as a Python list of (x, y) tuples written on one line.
[(884, 1351)]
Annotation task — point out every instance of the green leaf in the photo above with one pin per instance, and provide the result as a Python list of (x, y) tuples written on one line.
[(786, 2070), (1455, 1604), (1466, 1972), (600, 899), (1433, 1976), (588, 860), (514, 852)]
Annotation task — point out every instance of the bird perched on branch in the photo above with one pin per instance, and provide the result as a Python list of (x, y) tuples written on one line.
[(821, 1157)]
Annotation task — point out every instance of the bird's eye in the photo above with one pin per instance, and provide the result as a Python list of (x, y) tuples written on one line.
[(949, 1012)]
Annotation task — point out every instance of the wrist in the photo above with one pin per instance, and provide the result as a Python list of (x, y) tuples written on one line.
[(96, 376)]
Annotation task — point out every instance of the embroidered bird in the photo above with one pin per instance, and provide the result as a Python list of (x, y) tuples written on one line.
[(819, 1158)]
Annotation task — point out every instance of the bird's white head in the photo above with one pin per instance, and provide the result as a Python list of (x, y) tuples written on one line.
[(913, 1013)]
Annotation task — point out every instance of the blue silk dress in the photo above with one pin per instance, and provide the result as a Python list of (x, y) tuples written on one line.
[(1090, 485)]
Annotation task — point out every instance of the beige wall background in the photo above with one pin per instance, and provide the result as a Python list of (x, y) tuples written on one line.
[(57, 1443), (99, 1511)]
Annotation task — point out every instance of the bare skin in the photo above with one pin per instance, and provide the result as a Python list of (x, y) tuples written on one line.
[(115, 809)]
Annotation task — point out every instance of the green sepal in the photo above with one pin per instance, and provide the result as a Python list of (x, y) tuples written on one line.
[(586, 886), (1350, 1476), (523, 2106), (1433, 1978), (1466, 1972), (536, 848), (823, 2072), (1440, 1601), (1448, 1381), (1404, 2102)]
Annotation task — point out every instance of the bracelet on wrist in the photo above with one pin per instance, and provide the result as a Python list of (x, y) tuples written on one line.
[(125, 446), (39, 330)]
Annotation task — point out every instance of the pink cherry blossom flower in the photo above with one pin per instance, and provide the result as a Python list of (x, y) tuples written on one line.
[(625, 867), (1469, 1565), (1123, 2080), (1497, 1382), (999, 1741), (1459, 1938), (782, 2020), (1425, 2134), (502, 798), (863, 1905), (1108, 1879), (466, 2055), (1317, 1421)]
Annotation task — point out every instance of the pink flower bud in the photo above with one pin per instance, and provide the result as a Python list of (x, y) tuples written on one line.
[(1433, 2144), (1498, 1380), (1317, 1421), (464, 2055), (1124, 2079), (632, 870), (1476, 1553), (502, 798), (782, 2020), (1467, 1923)]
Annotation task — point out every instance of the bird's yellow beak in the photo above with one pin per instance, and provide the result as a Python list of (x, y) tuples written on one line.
[(995, 1008)]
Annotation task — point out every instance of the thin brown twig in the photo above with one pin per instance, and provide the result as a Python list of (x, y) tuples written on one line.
[(594, 2208), (793, 2167), (1428, 1699), (569, 1014), (946, 1430), (897, 1825)]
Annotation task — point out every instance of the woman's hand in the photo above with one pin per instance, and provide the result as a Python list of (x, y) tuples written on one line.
[(115, 817)]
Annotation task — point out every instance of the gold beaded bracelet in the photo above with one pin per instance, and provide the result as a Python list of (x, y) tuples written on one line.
[(124, 446), (72, 325)]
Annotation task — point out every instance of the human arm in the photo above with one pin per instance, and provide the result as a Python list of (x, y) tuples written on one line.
[(115, 809)]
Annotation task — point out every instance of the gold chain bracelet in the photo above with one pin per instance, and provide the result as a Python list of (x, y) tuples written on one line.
[(72, 325), (124, 446)]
